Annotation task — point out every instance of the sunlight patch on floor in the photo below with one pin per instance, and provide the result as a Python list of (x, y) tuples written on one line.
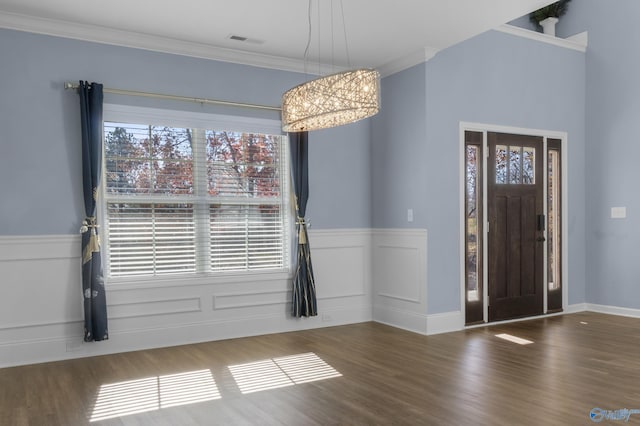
[(514, 339), (152, 393), (258, 376), (280, 372)]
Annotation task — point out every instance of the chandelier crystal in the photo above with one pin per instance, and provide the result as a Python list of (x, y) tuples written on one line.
[(331, 101)]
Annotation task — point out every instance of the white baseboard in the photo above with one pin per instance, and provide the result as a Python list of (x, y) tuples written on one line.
[(419, 323), (613, 310), (406, 320), (445, 322), (577, 307)]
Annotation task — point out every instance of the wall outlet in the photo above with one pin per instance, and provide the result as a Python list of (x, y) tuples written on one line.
[(326, 317), (409, 215)]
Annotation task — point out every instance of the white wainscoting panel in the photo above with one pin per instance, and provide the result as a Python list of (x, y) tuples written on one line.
[(400, 278), (341, 270), (41, 303), (37, 281), (250, 299), (154, 307), (402, 281)]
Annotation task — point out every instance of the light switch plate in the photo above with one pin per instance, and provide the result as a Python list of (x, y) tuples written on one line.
[(618, 212)]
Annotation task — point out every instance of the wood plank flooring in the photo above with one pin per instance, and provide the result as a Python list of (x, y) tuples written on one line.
[(388, 376)]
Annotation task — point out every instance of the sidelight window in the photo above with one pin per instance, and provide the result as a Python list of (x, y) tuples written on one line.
[(473, 226), (554, 225)]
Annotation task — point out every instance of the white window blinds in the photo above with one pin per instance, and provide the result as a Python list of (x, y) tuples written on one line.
[(190, 200)]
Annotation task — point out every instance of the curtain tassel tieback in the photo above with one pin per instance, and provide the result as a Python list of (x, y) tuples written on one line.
[(88, 223), (302, 229), (94, 242)]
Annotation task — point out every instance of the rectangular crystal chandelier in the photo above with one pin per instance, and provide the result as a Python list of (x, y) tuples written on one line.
[(331, 101)]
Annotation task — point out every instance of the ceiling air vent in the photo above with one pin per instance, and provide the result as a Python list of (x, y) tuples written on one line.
[(243, 39)]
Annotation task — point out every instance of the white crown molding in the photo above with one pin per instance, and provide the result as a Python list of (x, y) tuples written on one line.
[(580, 38), (577, 42), (97, 34), (401, 64), (574, 43)]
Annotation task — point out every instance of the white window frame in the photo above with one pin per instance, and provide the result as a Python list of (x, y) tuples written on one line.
[(186, 119)]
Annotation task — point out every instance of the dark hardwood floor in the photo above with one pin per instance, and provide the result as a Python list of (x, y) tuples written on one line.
[(387, 376)]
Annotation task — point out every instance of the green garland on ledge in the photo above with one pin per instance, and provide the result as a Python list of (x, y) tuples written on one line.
[(554, 10)]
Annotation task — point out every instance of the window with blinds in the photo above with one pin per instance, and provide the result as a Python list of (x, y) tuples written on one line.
[(189, 200)]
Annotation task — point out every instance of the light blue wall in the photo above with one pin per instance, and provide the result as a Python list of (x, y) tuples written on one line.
[(364, 175), (525, 22), (399, 144), (340, 177), (496, 79), (40, 137), (612, 117)]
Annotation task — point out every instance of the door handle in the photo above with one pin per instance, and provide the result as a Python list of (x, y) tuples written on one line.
[(541, 239), (541, 221)]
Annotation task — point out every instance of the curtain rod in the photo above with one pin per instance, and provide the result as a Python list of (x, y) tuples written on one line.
[(73, 86)]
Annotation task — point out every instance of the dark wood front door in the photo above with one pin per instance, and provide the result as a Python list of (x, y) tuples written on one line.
[(516, 226)]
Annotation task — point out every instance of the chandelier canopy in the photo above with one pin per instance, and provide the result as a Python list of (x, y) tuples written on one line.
[(331, 101)]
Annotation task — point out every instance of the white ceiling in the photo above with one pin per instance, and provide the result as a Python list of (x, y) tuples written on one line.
[(380, 33)]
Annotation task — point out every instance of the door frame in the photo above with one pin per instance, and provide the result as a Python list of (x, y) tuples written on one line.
[(545, 134)]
